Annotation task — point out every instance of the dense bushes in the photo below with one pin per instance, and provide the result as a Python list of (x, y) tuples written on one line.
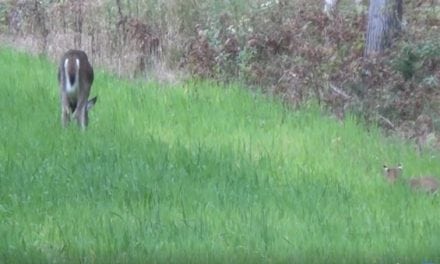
[(287, 48)]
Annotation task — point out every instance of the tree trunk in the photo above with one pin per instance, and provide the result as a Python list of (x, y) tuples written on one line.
[(384, 23), (77, 38)]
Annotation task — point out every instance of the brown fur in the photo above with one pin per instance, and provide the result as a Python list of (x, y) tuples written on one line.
[(75, 103), (426, 183), (392, 174)]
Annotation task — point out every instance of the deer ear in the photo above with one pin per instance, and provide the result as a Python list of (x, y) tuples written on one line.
[(91, 103)]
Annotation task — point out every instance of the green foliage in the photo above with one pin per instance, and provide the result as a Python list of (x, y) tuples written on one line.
[(413, 59), (406, 63), (286, 48), (198, 173), (3, 17)]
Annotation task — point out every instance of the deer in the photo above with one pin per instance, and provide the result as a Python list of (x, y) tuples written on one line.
[(75, 78), (428, 184), (392, 174)]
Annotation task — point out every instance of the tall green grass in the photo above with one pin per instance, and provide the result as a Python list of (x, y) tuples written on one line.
[(198, 173)]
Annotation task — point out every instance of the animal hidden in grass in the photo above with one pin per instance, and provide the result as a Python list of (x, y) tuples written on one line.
[(75, 78), (429, 184)]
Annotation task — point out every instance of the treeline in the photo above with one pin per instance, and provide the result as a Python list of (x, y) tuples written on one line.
[(290, 49)]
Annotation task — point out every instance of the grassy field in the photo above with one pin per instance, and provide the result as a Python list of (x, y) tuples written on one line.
[(199, 173)]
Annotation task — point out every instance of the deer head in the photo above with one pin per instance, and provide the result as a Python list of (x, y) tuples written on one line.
[(392, 174)]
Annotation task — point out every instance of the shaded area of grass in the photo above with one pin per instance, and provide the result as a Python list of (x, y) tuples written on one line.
[(198, 173)]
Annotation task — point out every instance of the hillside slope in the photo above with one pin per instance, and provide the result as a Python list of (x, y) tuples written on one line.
[(198, 173)]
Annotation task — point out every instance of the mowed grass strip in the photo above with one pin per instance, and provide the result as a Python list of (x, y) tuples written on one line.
[(199, 173)]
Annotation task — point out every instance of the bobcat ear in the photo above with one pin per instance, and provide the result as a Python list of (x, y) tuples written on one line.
[(91, 103), (399, 166), (385, 168)]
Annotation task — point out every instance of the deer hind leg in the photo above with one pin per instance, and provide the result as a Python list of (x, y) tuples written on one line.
[(81, 114), (84, 118), (81, 117), (65, 111), (65, 118)]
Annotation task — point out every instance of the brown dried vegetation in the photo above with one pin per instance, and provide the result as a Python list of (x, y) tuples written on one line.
[(290, 49)]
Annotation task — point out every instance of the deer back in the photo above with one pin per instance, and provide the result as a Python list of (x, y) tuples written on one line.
[(426, 183)]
